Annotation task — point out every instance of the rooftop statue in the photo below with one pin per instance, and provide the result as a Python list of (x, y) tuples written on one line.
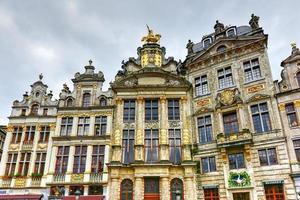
[(254, 22), (219, 27), (151, 37)]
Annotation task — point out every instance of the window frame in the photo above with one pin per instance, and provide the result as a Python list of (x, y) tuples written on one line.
[(154, 145), (175, 146), (224, 75), (231, 122), (173, 109), (204, 44), (24, 163), (298, 78), (251, 69), (83, 126), (128, 140), (29, 134), (211, 164), (153, 110), (62, 167), (80, 167), (201, 85), (290, 113), (44, 134), (98, 154), (11, 164), (86, 99), (68, 125), (213, 193), (236, 164), (266, 150), (100, 125), (205, 126), (40, 162), (129, 110), (17, 135), (260, 114), (231, 29), (297, 148)]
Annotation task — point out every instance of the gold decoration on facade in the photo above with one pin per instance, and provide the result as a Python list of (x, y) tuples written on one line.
[(52, 126), (255, 88), (183, 99), (140, 99), (77, 177), (98, 113), (14, 147), (151, 37), (163, 136), (42, 146), (203, 102), (118, 101), (139, 137), (248, 152), (227, 97), (281, 107), (144, 60), (117, 137), (297, 103), (20, 182), (186, 137), (10, 128), (224, 156), (163, 99)]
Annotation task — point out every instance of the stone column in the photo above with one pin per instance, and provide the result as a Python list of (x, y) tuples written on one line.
[(242, 120), (165, 188), (189, 191), (185, 133), (115, 188), (74, 127), (116, 138), (109, 125), (92, 126), (53, 154), (71, 160), (138, 188), (88, 165), (8, 137), (57, 128), (220, 121), (139, 138), (163, 139)]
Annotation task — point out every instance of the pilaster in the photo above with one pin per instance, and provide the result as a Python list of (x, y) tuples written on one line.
[(139, 136), (163, 139)]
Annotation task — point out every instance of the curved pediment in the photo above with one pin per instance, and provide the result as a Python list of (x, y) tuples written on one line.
[(151, 77), (258, 97)]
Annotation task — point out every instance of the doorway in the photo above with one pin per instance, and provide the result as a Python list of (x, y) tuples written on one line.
[(151, 188), (241, 196)]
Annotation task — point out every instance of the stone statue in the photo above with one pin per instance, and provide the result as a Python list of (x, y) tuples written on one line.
[(189, 47), (254, 22), (219, 27), (41, 76)]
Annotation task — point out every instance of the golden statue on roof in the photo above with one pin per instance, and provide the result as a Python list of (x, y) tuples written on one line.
[(151, 37)]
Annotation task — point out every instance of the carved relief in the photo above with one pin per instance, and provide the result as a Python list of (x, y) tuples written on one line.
[(172, 82), (129, 125), (131, 82), (228, 97), (174, 124), (255, 88), (203, 102), (152, 125), (163, 136)]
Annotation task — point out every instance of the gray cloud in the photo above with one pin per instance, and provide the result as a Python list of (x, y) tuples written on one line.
[(57, 38)]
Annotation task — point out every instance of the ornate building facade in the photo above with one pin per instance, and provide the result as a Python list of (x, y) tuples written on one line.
[(2, 139), (27, 147), (214, 126)]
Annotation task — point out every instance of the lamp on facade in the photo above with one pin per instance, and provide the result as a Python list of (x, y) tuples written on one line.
[(77, 194), (178, 194)]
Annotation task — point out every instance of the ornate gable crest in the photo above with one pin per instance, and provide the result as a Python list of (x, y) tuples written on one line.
[(228, 97)]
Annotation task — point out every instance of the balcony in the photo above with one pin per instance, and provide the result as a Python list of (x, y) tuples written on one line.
[(59, 178), (27, 145), (96, 177), (6, 182), (235, 139), (36, 181)]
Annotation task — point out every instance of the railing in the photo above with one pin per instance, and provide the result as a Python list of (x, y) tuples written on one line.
[(234, 139), (59, 178), (96, 177), (36, 181), (6, 182), (27, 145)]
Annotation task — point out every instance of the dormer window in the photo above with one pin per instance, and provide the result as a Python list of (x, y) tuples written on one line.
[(207, 42), (298, 78), (23, 112), (86, 100), (221, 49), (103, 102), (34, 109), (69, 102), (231, 32)]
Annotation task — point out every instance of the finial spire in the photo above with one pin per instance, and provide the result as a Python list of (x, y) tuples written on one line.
[(41, 76)]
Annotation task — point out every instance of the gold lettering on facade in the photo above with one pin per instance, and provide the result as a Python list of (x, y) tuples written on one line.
[(255, 88)]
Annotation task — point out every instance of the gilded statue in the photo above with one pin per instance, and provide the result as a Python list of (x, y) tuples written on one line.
[(151, 37)]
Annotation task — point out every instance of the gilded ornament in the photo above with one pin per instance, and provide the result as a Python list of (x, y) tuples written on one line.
[(255, 88), (203, 102), (151, 37), (281, 107), (163, 99), (183, 99), (77, 177), (297, 103), (118, 101), (140, 99), (10, 128)]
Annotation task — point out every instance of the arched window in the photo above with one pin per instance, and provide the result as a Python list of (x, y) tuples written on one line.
[(69, 102), (86, 100), (34, 109), (221, 49), (176, 189), (207, 42), (298, 78), (126, 190), (103, 102)]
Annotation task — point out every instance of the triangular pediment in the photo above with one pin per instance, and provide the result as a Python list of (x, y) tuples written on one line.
[(151, 77), (228, 43), (258, 97)]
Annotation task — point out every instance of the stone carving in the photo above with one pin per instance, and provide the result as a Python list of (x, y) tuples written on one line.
[(219, 27), (228, 97), (117, 137), (189, 47), (129, 125), (255, 88), (174, 124), (254, 22), (172, 82), (152, 125), (131, 82)]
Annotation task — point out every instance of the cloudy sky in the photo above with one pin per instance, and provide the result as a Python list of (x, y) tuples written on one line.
[(57, 38)]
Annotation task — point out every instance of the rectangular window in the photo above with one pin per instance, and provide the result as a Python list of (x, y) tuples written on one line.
[(201, 85), (151, 145), (40, 163), (236, 161), (173, 109), (44, 134), (267, 156), (252, 70), (11, 164), (261, 118), (128, 146), (66, 126), (274, 192), (29, 134), (205, 129), (175, 146), (231, 124), (17, 135), (129, 110), (45, 111), (100, 125), (211, 194), (297, 148), (62, 160), (79, 159), (291, 114), (98, 158), (83, 126), (151, 110), (208, 164), (24, 164), (225, 77)]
